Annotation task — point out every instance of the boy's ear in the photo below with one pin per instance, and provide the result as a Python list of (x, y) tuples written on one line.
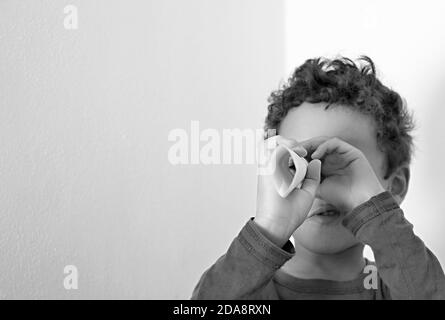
[(398, 183)]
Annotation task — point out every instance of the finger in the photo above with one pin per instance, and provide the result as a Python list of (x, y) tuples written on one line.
[(330, 146), (312, 179), (312, 144), (299, 150)]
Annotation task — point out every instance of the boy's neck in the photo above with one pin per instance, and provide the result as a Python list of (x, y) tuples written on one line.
[(343, 266)]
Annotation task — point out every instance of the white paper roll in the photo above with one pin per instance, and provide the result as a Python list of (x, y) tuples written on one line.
[(284, 181)]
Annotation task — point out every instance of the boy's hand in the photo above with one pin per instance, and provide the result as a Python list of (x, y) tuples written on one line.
[(348, 179), (279, 217)]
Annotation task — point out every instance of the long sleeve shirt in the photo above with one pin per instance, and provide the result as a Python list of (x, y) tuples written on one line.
[(406, 268)]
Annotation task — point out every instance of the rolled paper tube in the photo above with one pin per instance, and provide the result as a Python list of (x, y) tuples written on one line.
[(284, 181)]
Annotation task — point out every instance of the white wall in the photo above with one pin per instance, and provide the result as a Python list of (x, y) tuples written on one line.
[(406, 40), (84, 120)]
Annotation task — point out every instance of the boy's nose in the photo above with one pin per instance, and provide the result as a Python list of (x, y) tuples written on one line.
[(318, 202)]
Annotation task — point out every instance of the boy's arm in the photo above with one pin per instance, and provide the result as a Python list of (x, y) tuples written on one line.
[(263, 246), (407, 267), (248, 266)]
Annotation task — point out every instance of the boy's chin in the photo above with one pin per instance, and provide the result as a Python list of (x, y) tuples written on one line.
[(324, 239)]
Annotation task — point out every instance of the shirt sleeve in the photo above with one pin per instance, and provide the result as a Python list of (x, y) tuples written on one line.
[(248, 266), (407, 267)]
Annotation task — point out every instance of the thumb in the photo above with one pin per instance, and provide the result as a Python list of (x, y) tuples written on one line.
[(312, 179)]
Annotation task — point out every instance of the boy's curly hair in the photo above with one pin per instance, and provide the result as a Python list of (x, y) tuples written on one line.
[(343, 82)]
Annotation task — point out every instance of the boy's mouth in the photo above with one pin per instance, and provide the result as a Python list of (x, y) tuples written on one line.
[(324, 216), (326, 211)]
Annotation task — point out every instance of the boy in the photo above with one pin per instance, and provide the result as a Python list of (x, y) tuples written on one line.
[(355, 134)]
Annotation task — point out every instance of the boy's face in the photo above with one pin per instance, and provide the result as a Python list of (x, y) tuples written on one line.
[(321, 234)]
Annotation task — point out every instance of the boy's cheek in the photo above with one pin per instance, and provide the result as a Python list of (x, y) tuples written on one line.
[(384, 182)]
